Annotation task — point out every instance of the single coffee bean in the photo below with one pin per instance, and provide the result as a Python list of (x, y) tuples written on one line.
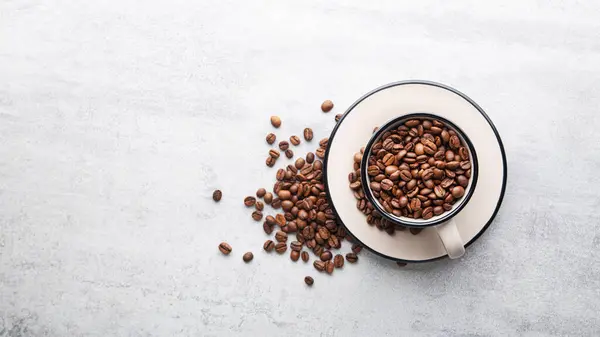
[(338, 117), (319, 265), (308, 134), (268, 245), (351, 257), (281, 236), (427, 213), (248, 257), (338, 261), (276, 203), (271, 138), (270, 220), (283, 145), (268, 198), (329, 266), (217, 195), (356, 248), (249, 201), (261, 192), (225, 248), (296, 245), (326, 106), (326, 256), (270, 162), (462, 181), (304, 255), (294, 255), (284, 195), (289, 153), (275, 121), (259, 206), (310, 157), (300, 163), (309, 280), (267, 229), (280, 220), (415, 231), (458, 191), (454, 142), (437, 210), (257, 215), (274, 153), (295, 140), (320, 152), (280, 247), (386, 184)]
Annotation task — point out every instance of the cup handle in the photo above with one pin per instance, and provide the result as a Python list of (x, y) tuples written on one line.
[(448, 233)]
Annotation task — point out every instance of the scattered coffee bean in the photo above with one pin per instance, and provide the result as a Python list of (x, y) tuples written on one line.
[(310, 157), (351, 257), (296, 245), (271, 138), (308, 134), (289, 153), (281, 236), (319, 265), (309, 280), (327, 106), (270, 162), (217, 194), (259, 206), (338, 117), (268, 198), (257, 215), (294, 255), (295, 140), (320, 152), (261, 192), (281, 247), (329, 266), (274, 153), (248, 257), (356, 248), (276, 121), (268, 245), (304, 256), (338, 261), (225, 248), (326, 256), (249, 201)]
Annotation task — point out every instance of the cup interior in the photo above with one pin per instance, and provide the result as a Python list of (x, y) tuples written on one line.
[(436, 219)]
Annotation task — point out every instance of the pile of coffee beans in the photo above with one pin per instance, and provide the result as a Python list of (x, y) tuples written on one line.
[(416, 170)]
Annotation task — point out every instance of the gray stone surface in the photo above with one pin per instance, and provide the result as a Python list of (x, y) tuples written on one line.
[(119, 118)]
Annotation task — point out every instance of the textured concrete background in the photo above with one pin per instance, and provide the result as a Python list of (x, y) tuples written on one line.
[(119, 118)]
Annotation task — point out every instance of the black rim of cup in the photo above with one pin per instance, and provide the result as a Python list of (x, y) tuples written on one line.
[(404, 221)]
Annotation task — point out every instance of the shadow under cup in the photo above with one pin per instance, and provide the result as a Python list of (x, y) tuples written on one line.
[(436, 219)]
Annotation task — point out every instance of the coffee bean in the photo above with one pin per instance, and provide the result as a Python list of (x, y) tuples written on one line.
[(281, 236), (225, 248), (271, 138), (295, 140), (267, 229), (338, 261), (270, 162), (268, 245), (280, 220), (329, 266), (310, 157), (415, 231), (437, 210), (217, 194), (261, 192), (326, 256), (427, 213), (386, 184), (356, 248), (280, 247), (283, 145), (309, 280), (274, 153), (248, 257), (289, 153), (300, 162), (296, 245), (319, 265), (249, 201), (351, 257), (257, 215), (304, 255), (268, 198), (276, 203), (454, 142), (259, 206), (320, 152), (294, 255), (327, 106), (338, 117), (458, 191), (275, 121)]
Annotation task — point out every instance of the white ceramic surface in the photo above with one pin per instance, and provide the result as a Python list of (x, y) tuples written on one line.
[(377, 108)]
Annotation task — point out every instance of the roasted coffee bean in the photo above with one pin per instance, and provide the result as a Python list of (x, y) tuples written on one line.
[(225, 248), (427, 213), (295, 140), (310, 157), (259, 206), (308, 134), (268, 229), (217, 195), (294, 255), (304, 255), (320, 152), (248, 257), (289, 153), (296, 245), (276, 203), (338, 117), (261, 192), (338, 261), (280, 220), (415, 231), (281, 247), (386, 184), (326, 106), (257, 215), (458, 192), (326, 256), (300, 162), (281, 236), (454, 142), (271, 138), (319, 265), (268, 245), (351, 257), (275, 121), (329, 266), (268, 198), (356, 248), (283, 145), (249, 201), (270, 162)]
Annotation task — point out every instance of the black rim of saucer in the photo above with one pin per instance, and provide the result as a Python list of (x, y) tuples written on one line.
[(442, 86), (406, 222)]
